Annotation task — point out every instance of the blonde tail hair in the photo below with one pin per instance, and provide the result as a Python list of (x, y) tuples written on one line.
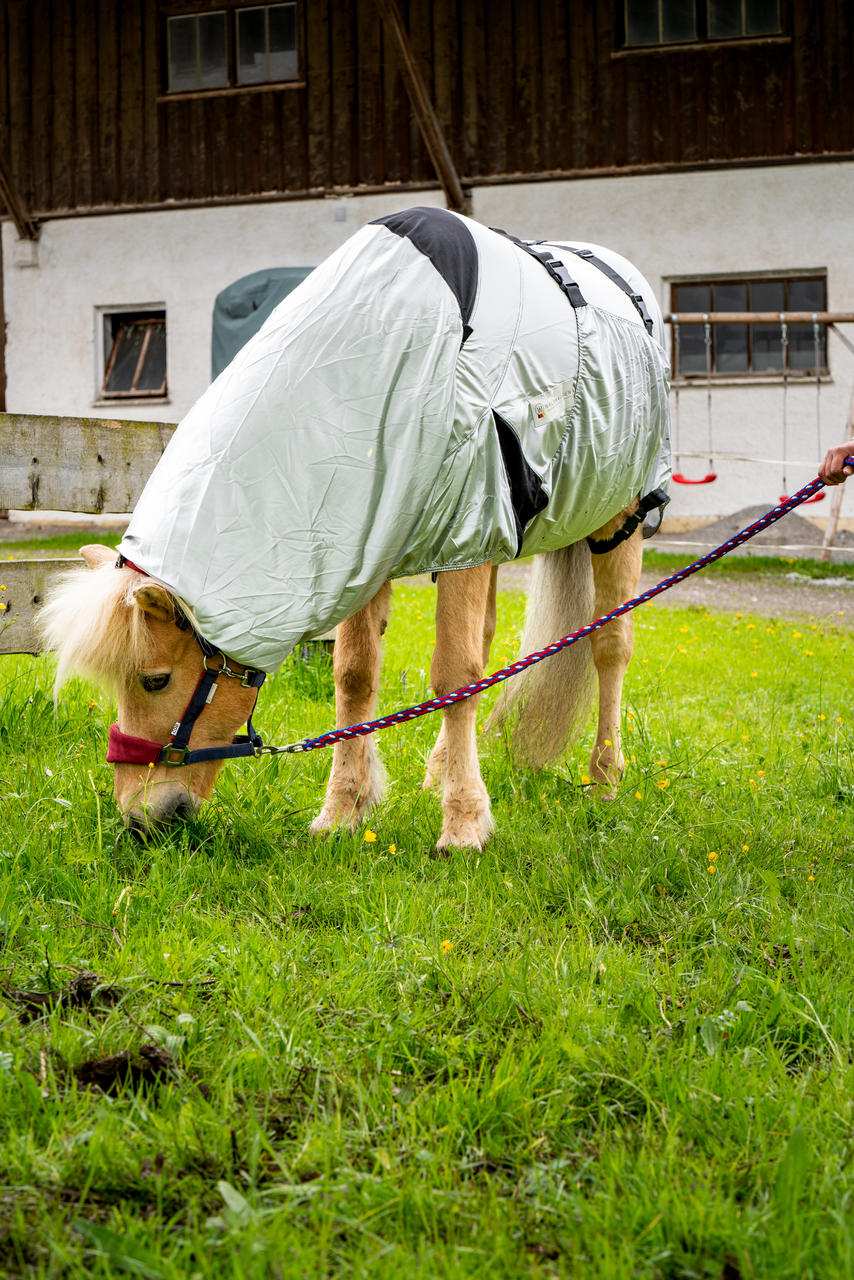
[(547, 704)]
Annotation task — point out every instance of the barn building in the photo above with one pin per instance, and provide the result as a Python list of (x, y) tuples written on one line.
[(156, 153)]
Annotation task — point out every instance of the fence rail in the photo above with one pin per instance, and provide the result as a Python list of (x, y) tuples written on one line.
[(85, 465)]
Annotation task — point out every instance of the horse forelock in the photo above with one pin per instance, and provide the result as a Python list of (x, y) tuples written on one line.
[(92, 623)]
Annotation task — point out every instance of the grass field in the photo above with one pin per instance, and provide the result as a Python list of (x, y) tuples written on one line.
[(617, 1043)]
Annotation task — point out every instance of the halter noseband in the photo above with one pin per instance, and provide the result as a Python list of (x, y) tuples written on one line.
[(124, 748)]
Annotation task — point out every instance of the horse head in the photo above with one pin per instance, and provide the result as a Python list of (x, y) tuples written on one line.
[(123, 630)]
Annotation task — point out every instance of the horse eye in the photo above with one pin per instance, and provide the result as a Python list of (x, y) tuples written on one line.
[(152, 683)]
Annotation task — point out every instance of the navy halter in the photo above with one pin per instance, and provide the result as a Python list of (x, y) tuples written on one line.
[(125, 748)]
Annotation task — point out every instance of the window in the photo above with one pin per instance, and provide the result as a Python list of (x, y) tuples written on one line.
[(656, 22), (230, 48), (135, 355), (740, 347)]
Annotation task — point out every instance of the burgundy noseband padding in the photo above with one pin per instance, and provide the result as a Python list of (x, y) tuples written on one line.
[(125, 749)]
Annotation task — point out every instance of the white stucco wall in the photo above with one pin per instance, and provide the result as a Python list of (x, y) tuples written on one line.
[(781, 218)]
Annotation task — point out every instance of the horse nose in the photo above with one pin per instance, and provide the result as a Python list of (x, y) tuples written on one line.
[(142, 823)]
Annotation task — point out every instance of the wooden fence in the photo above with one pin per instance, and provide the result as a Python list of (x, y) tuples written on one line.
[(87, 465)]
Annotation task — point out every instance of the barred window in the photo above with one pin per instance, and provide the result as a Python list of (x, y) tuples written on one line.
[(741, 347)]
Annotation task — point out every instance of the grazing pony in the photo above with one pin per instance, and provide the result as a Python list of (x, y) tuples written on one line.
[(436, 397)]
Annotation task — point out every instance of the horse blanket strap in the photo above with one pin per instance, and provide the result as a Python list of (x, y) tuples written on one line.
[(555, 268), (657, 498), (636, 298)]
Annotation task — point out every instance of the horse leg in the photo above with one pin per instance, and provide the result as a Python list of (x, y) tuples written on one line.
[(357, 780), (615, 579), (435, 772), (462, 625)]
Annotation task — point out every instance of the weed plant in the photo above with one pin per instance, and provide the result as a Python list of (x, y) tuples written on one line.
[(616, 1043)]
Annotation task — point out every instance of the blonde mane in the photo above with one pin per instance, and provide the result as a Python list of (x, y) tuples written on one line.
[(91, 622)]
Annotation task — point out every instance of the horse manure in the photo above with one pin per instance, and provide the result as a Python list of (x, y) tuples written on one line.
[(149, 1065), (84, 991)]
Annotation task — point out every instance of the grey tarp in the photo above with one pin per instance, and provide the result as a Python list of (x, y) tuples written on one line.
[(426, 400), (241, 309)]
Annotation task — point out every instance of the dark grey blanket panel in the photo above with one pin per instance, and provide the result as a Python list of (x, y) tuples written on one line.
[(448, 244)]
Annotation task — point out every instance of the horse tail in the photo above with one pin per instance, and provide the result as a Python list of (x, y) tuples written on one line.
[(547, 704)]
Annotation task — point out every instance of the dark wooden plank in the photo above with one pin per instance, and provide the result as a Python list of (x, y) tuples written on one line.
[(369, 90), (41, 104), (129, 141), (524, 113), (76, 464), (151, 84), (107, 69), (86, 88), (345, 118), (447, 73), (319, 93), (63, 195)]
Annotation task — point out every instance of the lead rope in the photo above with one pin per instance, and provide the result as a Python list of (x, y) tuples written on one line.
[(469, 690)]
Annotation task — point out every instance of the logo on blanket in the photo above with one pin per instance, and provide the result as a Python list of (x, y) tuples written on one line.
[(552, 405)]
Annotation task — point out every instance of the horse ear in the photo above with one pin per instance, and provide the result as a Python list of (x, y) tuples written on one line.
[(155, 600), (96, 555)]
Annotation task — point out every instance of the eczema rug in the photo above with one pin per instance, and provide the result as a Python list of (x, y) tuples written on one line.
[(429, 398)]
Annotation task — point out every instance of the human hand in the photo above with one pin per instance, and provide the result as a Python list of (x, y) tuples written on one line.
[(833, 469)]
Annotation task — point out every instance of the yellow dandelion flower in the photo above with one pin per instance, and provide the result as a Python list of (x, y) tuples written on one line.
[(745, 848), (663, 783), (753, 782), (447, 946), (811, 879), (392, 848), (822, 717), (712, 869), (585, 781), (638, 796), (369, 837), (713, 857)]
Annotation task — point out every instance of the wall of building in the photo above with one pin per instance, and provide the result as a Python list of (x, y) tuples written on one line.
[(788, 217)]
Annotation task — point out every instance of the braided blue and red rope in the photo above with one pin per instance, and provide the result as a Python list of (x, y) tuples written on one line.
[(497, 677)]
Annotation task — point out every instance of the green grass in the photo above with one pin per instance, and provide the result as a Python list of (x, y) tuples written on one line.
[(737, 566), (578, 1053)]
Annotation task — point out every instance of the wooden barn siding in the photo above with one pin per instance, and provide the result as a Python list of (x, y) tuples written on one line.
[(519, 86)]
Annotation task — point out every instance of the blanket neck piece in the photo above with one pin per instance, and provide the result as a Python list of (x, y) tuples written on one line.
[(125, 748)]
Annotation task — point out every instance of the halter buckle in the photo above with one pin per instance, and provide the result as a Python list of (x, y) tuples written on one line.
[(182, 753)]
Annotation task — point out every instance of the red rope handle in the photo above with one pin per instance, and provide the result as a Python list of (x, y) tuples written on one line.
[(680, 479)]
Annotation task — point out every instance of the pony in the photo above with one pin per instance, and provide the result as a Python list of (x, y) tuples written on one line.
[(437, 396)]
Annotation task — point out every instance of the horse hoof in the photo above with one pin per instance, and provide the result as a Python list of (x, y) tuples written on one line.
[(466, 833)]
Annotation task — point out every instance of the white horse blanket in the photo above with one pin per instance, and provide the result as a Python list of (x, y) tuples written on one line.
[(426, 400)]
